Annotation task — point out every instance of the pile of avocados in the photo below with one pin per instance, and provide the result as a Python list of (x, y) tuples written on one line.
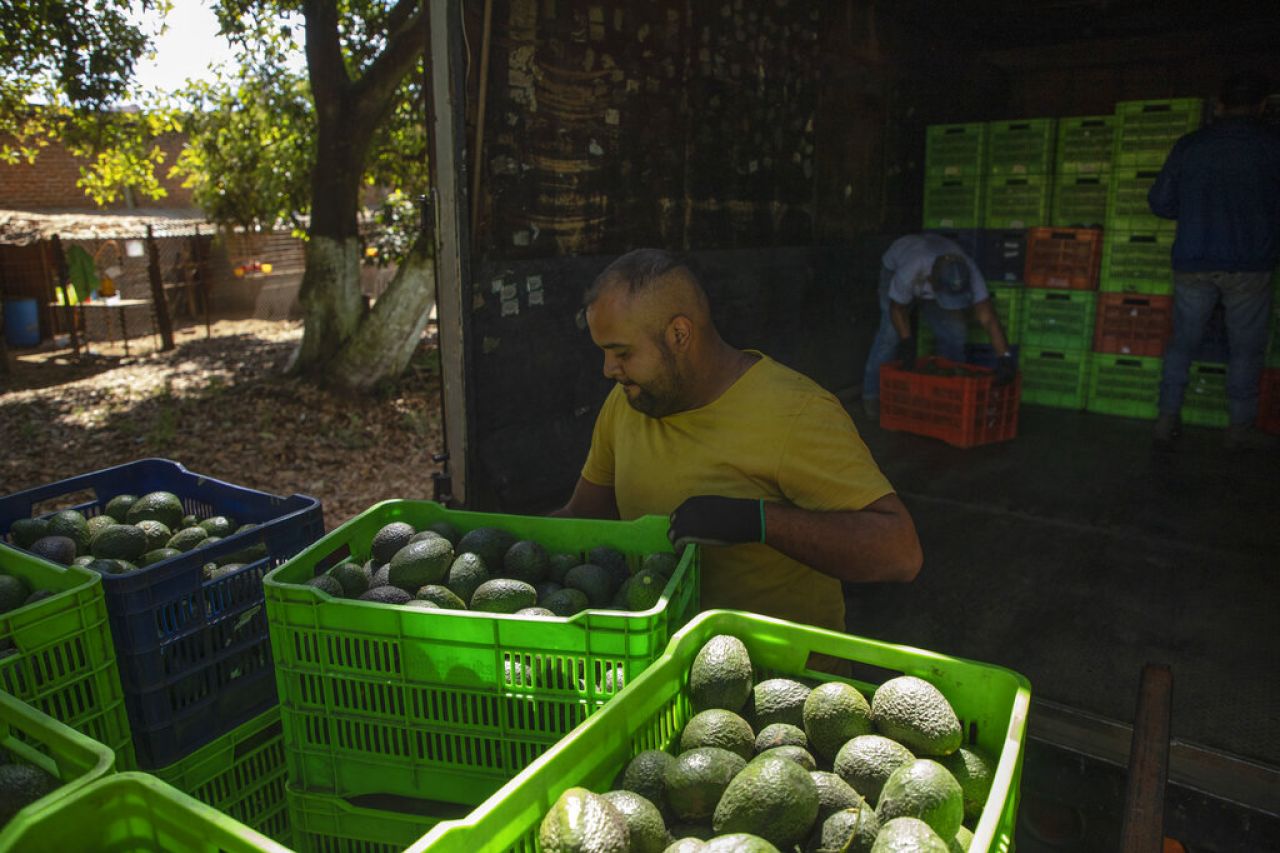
[(132, 532), (490, 570), (780, 765)]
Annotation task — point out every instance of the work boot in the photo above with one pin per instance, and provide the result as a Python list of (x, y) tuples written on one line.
[(1168, 428), (871, 405), (1245, 437)]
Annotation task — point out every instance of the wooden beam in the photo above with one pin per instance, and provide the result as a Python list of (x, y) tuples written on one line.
[(1142, 830), (158, 300)]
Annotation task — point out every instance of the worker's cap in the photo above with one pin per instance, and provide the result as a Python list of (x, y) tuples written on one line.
[(950, 281)]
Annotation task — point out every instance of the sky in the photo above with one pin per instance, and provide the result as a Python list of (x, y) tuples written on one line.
[(186, 49)]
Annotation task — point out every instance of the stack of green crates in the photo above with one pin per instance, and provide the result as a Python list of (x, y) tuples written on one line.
[(1006, 299), (1205, 401), (1135, 255), (1124, 385), (955, 170), (1057, 338), (1020, 161)]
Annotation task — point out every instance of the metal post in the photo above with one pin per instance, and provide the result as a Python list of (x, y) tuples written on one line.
[(64, 277), (157, 293)]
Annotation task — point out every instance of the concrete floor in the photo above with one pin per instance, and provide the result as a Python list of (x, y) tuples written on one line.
[(1076, 553)]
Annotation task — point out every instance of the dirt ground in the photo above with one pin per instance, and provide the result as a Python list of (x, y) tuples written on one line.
[(221, 406)]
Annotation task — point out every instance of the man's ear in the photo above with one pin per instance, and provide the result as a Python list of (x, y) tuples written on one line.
[(679, 333)]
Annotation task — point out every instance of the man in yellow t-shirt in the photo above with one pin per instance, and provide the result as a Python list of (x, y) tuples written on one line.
[(750, 458)]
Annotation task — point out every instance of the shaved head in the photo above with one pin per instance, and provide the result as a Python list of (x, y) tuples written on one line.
[(655, 286)]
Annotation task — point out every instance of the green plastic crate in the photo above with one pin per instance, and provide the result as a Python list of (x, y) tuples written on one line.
[(60, 656), (241, 774), (138, 813), (953, 201), (1137, 262), (1054, 377), (1017, 202), (1127, 207), (953, 150), (449, 705), (1124, 385), (1085, 145), (1146, 130), (1061, 319), (1205, 402), (992, 704), (1007, 299), (31, 737), (1079, 201), (1021, 146), (328, 824)]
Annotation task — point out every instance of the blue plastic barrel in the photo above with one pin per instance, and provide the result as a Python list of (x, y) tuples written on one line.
[(21, 323)]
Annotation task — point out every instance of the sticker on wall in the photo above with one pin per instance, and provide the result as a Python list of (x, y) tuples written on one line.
[(533, 286), (612, 116), (496, 285)]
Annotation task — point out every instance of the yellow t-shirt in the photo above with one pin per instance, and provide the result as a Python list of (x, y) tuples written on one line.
[(774, 434)]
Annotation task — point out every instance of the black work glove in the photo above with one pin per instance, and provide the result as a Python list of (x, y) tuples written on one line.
[(712, 520), (1006, 369), (907, 353)]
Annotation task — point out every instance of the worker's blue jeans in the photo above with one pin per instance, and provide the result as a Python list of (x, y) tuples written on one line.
[(948, 328), (1246, 303)]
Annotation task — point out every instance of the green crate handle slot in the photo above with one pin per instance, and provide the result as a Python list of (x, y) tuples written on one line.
[(1140, 238), (1127, 362), (1057, 356), (1137, 301), (1157, 108), (1094, 122)]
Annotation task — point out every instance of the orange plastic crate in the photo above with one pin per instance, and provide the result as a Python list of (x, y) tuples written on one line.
[(1133, 324), (1064, 258), (1269, 401), (963, 410)]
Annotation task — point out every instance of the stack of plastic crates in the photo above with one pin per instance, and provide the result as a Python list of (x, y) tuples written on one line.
[(1082, 172), (1020, 160), (396, 717), (991, 702), (956, 402), (194, 654), (1058, 315), (955, 170)]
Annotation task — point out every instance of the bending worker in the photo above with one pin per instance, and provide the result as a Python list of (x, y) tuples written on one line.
[(934, 271), (747, 456)]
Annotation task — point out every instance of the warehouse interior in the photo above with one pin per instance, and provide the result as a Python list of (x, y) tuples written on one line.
[(781, 147)]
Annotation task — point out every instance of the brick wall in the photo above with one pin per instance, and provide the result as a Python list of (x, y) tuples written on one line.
[(50, 182)]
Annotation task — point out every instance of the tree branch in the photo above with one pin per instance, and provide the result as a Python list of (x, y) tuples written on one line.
[(406, 41), (328, 73)]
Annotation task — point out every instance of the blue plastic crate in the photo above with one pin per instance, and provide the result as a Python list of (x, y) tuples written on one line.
[(1002, 254), (194, 656), (968, 239)]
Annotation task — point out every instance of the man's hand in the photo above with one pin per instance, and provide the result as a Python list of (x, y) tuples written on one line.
[(712, 520), (907, 353), (1006, 369)]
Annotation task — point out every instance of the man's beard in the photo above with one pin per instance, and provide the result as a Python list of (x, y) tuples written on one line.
[(666, 400)]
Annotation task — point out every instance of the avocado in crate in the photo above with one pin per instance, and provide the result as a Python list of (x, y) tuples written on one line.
[(433, 653), (836, 761)]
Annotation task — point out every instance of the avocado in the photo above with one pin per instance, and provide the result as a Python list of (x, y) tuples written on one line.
[(643, 590), (218, 525), (187, 538), (441, 595), (778, 700), (834, 794), (688, 831), (97, 524), (84, 561), (422, 604), (381, 576), (109, 566), (119, 542), (163, 507), (157, 532), (867, 761), (581, 821), (718, 727), (390, 539), (189, 520), (925, 789), (686, 844), (646, 829), (490, 543), (973, 769), (526, 561), (503, 595), (55, 549), (353, 577), (559, 565), (592, 580), (643, 774), (663, 563), (848, 830), (20, 786), (798, 754), (13, 593), (25, 531), (780, 734), (425, 534), (612, 561), (327, 584), (38, 595), (420, 563), (720, 675), (546, 588), (534, 611), (739, 842), (208, 540), (386, 595), (697, 778), (71, 524), (907, 835), (773, 798), (213, 570), (447, 530), (962, 841), (466, 574), (118, 507), (153, 557), (566, 602), (916, 714), (834, 713)]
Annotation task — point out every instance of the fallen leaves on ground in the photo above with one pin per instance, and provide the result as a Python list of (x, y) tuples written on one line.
[(223, 407)]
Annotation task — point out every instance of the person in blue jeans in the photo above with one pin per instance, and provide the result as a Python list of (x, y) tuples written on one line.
[(935, 272), (1222, 185)]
